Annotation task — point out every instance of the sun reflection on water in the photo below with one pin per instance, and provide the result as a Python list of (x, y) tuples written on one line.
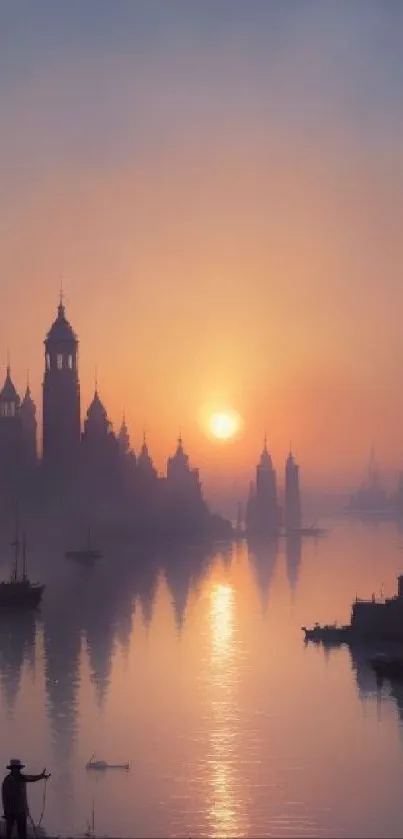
[(224, 804)]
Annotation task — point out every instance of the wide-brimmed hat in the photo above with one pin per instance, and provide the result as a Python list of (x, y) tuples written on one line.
[(15, 763)]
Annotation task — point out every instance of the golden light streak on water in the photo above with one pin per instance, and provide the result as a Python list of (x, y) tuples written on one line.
[(224, 805)]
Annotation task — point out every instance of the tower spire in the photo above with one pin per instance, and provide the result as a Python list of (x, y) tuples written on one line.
[(8, 362)]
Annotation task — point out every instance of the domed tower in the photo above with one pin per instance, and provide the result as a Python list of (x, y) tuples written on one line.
[(61, 395), (99, 445), (96, 424), (28, 429), (10, 432)]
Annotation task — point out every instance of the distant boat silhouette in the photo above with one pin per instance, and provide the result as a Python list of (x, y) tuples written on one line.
[(19, 592), (85, 556), (306, 530), (102, 765)]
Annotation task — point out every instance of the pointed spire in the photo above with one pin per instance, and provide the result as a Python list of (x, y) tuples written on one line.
[(60, 307), (8, 362)]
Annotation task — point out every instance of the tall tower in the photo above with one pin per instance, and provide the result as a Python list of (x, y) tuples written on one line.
[(263, 512), (10, 435), (61, 395), (28, 430), (292, 495)]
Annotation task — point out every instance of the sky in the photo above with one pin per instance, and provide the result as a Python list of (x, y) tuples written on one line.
[(219, 187)]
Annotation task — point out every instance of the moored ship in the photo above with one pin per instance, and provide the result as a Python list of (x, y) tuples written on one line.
[(329, 633), (19, 592), (372, 621)]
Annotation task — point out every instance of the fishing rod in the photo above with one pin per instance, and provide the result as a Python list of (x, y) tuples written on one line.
[(37, 826)]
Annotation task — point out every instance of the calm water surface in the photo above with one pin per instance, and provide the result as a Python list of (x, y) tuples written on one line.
[(193, 667)]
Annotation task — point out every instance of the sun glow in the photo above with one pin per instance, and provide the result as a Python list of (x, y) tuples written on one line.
[(224, 424)]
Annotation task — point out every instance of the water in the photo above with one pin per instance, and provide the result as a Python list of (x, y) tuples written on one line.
[(194, 668)]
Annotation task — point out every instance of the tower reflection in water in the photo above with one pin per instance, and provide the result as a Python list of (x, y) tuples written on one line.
[(225, 804)]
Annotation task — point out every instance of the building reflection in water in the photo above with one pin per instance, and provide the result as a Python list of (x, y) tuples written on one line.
[(17, 646), (263, 554), (293, 547), (224, 806)]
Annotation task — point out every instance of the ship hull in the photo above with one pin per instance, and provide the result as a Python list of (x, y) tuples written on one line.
[(328, 634), (20, 595)]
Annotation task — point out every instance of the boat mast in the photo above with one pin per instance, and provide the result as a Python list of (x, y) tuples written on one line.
[(16, 544), (24, 556)]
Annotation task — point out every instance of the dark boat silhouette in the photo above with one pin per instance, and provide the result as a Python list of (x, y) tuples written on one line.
[(330, 633), (374, 621), (19, 592), (102, 765), (85, 556)]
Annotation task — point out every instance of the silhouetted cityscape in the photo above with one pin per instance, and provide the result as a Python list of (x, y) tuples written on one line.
[(93, 474)]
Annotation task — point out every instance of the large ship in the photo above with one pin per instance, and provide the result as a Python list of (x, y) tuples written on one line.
[(374, 620), (19, 592)]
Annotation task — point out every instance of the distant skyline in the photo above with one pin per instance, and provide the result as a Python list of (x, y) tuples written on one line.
[(219, 187)]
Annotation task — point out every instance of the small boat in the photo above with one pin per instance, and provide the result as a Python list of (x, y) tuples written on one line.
[(102, 765), (329, 633), (19, 592), (387, 666), (85, 556), (306, 530)]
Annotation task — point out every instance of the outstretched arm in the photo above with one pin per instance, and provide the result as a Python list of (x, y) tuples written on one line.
[(32, 778)]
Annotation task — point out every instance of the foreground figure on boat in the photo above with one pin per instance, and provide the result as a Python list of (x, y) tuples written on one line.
[(14, 794)]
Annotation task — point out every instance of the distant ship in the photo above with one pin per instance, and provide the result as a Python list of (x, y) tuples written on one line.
[(87, 555), (19, 592), (310, 530), (102, 765), (373, 620)]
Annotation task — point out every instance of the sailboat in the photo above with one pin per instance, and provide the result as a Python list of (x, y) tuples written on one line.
[(85, 556), (19, 592)]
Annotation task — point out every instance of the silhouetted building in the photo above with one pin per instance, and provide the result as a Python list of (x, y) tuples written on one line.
[(61, 397), (292, 495), (147, 472), (17, 642), (293, 558), (99, 446), (370, 498), (127, 456), (93, 475), (29, 431), (263, 513), (10, 436)]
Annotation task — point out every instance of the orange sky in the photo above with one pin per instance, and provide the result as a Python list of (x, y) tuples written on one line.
[(226, 221)]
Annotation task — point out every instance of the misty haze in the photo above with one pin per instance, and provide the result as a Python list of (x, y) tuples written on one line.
[(201, 403)]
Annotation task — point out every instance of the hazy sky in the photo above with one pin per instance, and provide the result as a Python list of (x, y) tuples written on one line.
[(220, 185)]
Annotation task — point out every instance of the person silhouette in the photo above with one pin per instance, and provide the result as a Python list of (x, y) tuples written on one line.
[(14, 795)]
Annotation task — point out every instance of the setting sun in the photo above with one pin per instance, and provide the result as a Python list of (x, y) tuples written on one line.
[(224, 424)]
